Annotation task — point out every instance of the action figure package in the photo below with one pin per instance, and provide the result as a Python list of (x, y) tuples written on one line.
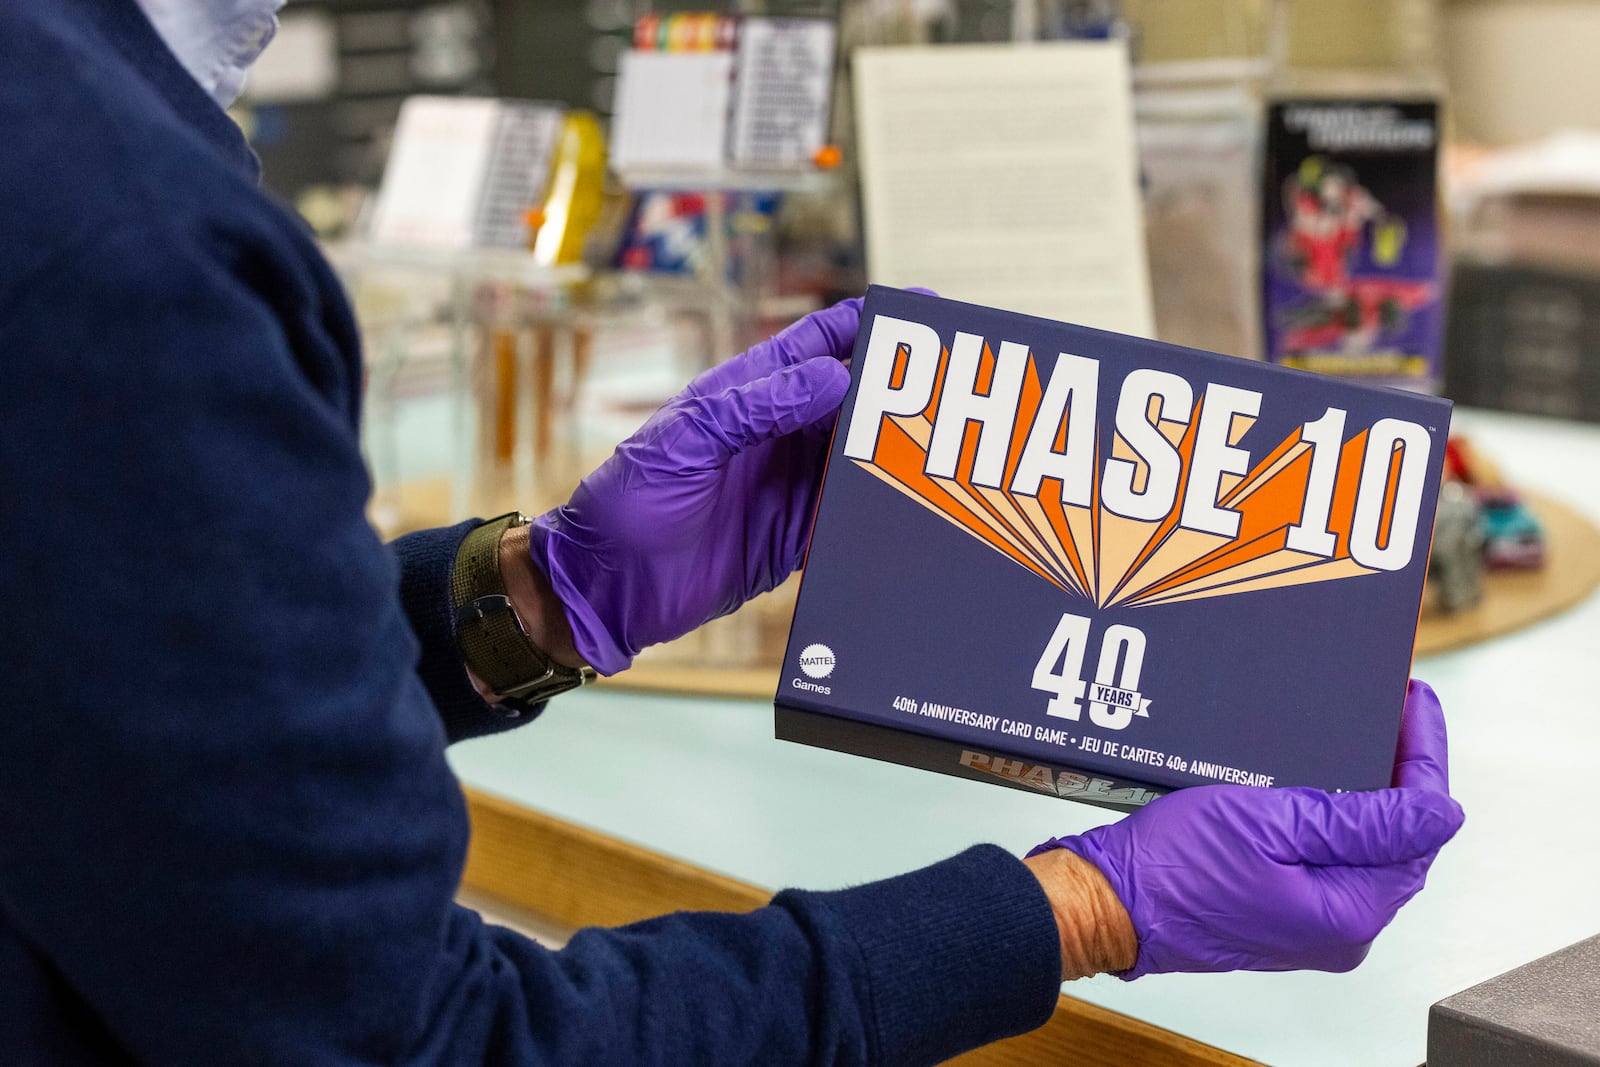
[(1351, 257), (1101, 568)]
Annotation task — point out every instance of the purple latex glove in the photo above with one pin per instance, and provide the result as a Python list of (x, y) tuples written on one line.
[(709, 503), (1223, 878)]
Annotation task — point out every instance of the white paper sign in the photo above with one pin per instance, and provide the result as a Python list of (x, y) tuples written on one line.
[(671, 109), (463, 172), (1006, 176), (785, 81)]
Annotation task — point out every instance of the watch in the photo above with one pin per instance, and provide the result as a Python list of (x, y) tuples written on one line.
[(493, 641)]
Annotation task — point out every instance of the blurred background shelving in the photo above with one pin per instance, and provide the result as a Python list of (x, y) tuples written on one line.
[(498, 376)]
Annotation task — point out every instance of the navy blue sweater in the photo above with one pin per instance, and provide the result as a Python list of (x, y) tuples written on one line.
[(228, 834)]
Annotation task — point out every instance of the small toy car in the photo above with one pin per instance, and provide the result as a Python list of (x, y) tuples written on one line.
[(1513, 538)]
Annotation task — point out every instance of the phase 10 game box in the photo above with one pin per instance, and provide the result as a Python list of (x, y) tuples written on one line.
[(1102, 568)]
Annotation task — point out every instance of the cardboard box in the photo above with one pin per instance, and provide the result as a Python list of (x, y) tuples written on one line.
[(1101, 568)]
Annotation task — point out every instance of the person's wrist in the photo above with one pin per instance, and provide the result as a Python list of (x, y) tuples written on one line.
[(543, 617), (1094, 928), (537, 605)]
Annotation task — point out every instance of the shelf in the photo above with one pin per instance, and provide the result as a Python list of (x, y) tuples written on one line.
[(509, 265), (689, 180)]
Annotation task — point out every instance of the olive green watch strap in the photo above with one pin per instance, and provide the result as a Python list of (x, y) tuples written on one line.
[(493, 641)]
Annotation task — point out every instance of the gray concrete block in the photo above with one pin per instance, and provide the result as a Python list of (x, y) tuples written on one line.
[(1543, 1014)]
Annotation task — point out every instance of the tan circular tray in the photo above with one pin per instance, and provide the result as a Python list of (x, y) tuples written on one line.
[(1514, 599), (1511, 601)]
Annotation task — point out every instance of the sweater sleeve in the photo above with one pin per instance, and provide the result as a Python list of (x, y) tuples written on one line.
[(427, 560), (227, 823)]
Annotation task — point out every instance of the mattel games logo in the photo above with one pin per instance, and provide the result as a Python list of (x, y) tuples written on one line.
[(817, 661)]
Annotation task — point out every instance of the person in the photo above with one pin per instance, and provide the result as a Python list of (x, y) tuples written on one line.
[(228, 833)]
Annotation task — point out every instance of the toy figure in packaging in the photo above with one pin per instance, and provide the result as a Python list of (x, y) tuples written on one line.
[(1352, 240)]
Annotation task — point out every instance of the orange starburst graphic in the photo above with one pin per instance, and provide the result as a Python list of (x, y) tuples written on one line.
[(1091, 552)]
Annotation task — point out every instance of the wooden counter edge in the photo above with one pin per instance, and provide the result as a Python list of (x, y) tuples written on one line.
[(579, 877)]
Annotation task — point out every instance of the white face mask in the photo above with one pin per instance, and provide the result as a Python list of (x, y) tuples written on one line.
[(215, 40)]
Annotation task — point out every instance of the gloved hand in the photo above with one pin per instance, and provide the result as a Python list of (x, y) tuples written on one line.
[(708, 504), (1223, 878)]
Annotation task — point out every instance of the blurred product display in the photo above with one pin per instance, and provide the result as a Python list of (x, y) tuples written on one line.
[(466, 173), (553, 214), (465, 354), (1199, 72), (780, 109), (672, 109), (706, 91), (575, 198), (501, 368), (1199, 140), (667, 231), (698, 31), (322, 102)]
